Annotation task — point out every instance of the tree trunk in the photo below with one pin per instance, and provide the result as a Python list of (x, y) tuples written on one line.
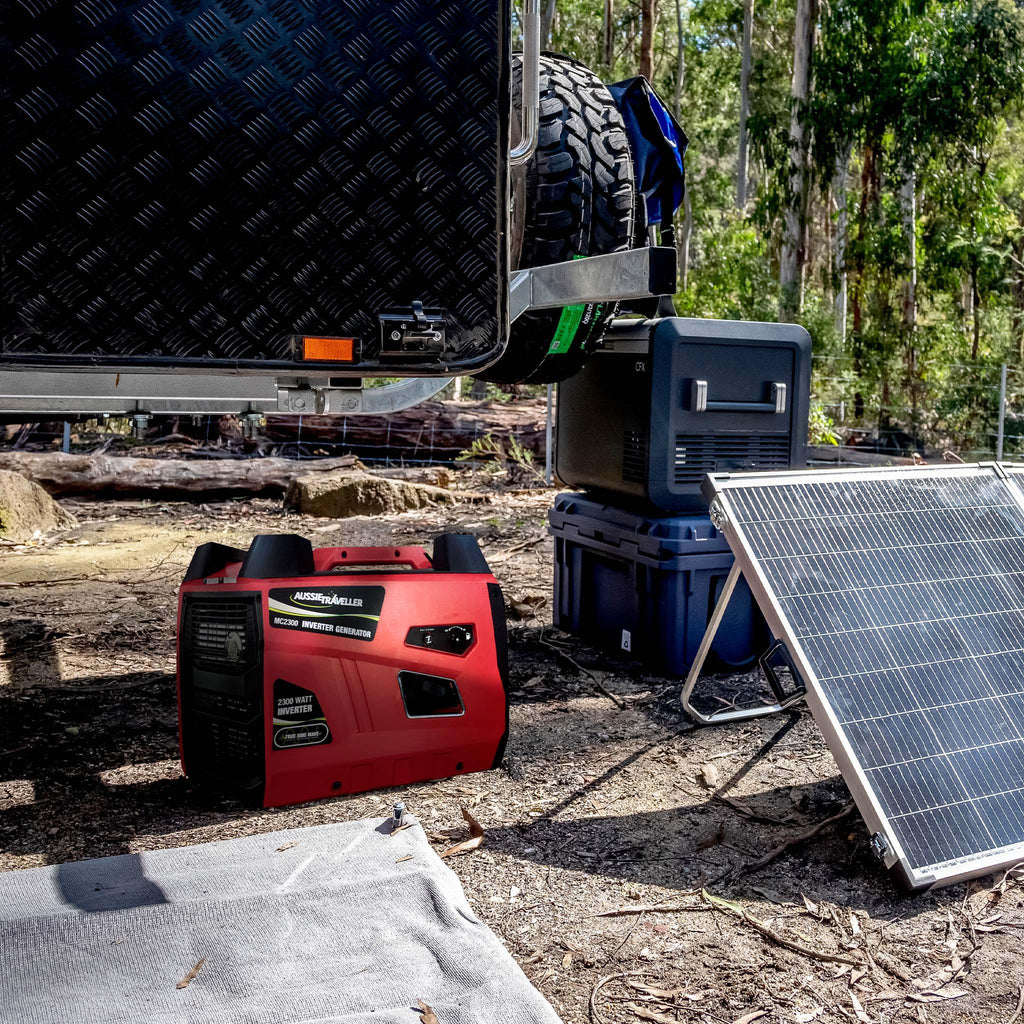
[(741, 165), (975, 308), (1017, 291), (95, 474), (867, 175), (680, 60), (608, 36), (908, 205), (793, 255), (648, 14), (547, 21), (839, 186), (684, 240)]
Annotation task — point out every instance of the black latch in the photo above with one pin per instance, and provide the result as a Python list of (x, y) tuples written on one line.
[(414, 333), (778, 652)]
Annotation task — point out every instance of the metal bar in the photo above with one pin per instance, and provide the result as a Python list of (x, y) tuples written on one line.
[(630, 274), (72, 392), (547, 438), (733, 714), (65, 445), (1002, 415), (530, 121)]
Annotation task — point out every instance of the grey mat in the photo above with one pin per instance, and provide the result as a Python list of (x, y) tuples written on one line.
[(331, 929)]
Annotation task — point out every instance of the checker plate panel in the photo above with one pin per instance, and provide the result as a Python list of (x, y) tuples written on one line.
[(190, 181)]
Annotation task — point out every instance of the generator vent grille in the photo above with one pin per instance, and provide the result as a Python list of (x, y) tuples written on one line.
[(699, 454), (222, 633), (634, 457)]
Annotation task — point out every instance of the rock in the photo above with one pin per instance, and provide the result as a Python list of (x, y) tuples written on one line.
[(26, 509), (359, 494)]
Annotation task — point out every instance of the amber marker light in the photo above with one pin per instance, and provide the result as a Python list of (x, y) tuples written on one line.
[(328, 350)]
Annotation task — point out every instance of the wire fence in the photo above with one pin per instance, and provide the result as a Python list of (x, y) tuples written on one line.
[(447, 432), (973, 412)]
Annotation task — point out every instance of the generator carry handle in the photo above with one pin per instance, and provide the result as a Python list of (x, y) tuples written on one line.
[(327, 559)]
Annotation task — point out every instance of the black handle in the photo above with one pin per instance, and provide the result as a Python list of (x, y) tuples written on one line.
[(699, 401)]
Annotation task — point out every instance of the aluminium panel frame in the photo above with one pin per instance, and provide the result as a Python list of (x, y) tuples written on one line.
[(717, 487)]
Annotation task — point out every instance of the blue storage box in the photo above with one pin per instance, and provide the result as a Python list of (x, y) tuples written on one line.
[(647, 585)]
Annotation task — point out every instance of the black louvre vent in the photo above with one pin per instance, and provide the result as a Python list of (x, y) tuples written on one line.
[(221, 670), (221, 633), (634, 457), (699, 454)]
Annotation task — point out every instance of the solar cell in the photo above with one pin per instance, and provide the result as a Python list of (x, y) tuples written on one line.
[(900, 595)]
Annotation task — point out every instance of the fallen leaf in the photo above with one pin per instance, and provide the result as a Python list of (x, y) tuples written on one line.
[(567, 961), (402, 860), (862, 1014), (659, 993), (812, 907), (854, 923), (937, 996), (709, 773), (427, 1015), (653, 1015), (772, 896), (476, 834), (287, 846), (752, 1016), (806, 1018), (184, 983)]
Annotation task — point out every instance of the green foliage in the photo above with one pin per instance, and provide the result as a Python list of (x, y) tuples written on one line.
[(821, 428), (926, 90), (733, 277), (503, 456)]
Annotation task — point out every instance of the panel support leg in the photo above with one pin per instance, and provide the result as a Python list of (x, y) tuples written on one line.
[(726, 714)]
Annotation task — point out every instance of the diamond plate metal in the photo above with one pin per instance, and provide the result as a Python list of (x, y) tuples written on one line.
[(190, 181)]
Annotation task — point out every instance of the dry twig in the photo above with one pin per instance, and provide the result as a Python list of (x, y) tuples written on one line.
[(590, 675), (795, 840), (187, 980), (770, 933)]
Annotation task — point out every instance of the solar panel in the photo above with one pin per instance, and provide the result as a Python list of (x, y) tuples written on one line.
[(899, 594)]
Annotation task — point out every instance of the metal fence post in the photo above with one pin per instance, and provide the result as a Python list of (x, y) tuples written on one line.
[(1002, 414), (66, 442), (547, 438)]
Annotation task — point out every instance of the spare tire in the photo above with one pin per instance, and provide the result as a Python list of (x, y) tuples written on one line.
[(574, 198)]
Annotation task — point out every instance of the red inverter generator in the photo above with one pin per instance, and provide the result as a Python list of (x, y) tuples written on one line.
[(303, 673)]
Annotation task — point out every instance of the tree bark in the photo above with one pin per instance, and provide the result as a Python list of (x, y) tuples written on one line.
[(975, 309), (867, 177), (839, 187), (680, 60), (608, 35), (741, 165), (547, 22), (908, 204), (1017, 291), (792, 258), (648, 14), (684, 240), (95, 474)]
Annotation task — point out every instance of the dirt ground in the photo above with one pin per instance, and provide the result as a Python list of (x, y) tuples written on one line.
[(621, 861)]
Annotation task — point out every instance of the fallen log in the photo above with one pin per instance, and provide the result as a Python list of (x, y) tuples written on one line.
[(62, 474), (438, 430)]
